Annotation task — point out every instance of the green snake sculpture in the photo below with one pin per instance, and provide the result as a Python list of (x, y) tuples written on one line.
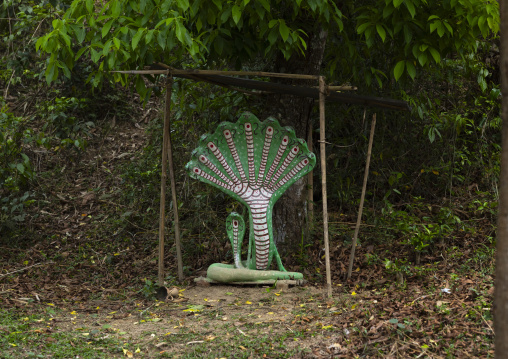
[(255, 163)]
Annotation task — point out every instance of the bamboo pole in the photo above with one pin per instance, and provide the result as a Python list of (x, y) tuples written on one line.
[(162, 210), (167, 117), (142, 72), (167, 156), (322, 96), (176, 72), (339, 88), (364, 188)]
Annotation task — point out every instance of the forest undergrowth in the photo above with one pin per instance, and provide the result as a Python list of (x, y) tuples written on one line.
[(86, 248), (80, 172)]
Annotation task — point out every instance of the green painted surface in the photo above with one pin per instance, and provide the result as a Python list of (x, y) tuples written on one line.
[(227, 273), (235, 227), (254, 162)]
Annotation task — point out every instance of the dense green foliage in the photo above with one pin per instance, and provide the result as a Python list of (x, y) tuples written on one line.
[(128, 35), (417, 33)]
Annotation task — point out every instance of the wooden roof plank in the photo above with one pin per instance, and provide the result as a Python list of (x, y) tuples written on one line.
[(218, 78)]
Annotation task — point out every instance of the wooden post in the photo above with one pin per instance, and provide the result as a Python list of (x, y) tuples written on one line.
[(162, 210), (501, 281), (322, 145), (310, 178), (359, 218), (168, 156), (167, 117)]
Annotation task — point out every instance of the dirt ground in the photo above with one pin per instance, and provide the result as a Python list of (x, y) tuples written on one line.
[(209, 313)]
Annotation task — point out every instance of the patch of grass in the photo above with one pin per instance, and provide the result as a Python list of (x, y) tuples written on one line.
[(233, 345), (37, 336)]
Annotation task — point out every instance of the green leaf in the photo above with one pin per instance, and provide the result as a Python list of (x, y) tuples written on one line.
[(226, 14), (21, 168), (265, 4), (161, 39), (361, 29), (408, 34), (381, 31), (435, 54), (448, 27), (397, 3), (410, 6), (183, 4), (237, 13), (66, 39), (399, 69), (106, 28), (302, 41), (80, 52), (148, 37), (411, 70), (106, 48), (284, 30), (211, 18), (140, 86), (142, 5), (433, 26), (440, 29), (313, 4), (432, 134), (117, 42), (66, 71), (481, 21), (388, 10), (95, 55), (89, 6), (80, 33), (218, 3), (180, 31), (368, 78), (116, 8), (57, 24), (165, 6), (41, 42), (423, 58), (273, 35), (137, 37)]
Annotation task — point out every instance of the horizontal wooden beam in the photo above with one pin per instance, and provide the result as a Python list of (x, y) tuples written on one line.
[(176, 72), (226, 79), (143, 72), (341, 88), (244, 73)]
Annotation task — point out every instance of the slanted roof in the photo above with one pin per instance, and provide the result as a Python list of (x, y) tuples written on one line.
[(226, 79)]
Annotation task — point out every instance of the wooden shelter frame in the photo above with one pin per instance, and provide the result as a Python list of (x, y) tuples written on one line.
[(225, 79)]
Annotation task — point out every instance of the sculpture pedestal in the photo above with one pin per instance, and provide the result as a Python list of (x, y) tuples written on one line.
[(227, 273)]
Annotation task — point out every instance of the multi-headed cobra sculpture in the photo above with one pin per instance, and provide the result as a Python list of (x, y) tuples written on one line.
[(254, 162)]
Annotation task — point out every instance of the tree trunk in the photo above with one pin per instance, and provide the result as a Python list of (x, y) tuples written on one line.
[(501, 284), (290, 212)]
